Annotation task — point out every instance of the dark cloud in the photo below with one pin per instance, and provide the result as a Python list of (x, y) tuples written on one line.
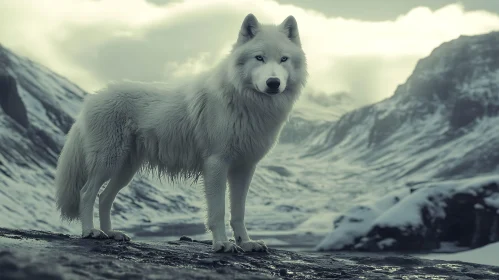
[(144, 56), (380, 10)]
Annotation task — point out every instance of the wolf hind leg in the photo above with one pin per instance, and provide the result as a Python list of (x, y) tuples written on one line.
[(118, 181), (88, 195)]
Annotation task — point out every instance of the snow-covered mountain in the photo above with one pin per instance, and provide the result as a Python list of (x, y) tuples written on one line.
[(432, 149), (450, 94), (38, 107)]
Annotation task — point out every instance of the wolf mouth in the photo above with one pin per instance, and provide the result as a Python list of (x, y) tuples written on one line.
[(272, 92)]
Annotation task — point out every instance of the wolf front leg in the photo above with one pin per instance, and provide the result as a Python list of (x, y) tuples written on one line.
[(215, 181), (239, 182)]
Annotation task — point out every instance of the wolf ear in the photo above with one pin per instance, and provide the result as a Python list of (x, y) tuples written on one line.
[(290, 28), (249, 28)]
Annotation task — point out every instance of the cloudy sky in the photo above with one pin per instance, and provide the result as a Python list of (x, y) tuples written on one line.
[(366, 47)]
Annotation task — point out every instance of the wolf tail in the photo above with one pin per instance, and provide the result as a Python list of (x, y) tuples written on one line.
[(71, 175)]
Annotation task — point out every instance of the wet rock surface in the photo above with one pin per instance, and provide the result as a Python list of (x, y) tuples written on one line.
[(44, 255)]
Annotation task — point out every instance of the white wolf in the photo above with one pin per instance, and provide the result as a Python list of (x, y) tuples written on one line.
[(219, 125)]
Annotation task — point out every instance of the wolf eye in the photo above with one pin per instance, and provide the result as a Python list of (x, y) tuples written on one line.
[(259, 58), (284, 59)]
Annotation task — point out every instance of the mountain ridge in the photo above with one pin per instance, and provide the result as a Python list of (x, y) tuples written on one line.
[(422, 146)]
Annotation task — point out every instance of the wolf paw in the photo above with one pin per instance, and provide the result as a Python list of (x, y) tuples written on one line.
[(118, 235), (95, 234), (253, 246), (226, 247)]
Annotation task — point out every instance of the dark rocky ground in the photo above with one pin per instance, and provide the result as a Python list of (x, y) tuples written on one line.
[(28, 254)]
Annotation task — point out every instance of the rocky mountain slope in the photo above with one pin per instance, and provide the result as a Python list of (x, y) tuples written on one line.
[(38, 107), (433, 143)]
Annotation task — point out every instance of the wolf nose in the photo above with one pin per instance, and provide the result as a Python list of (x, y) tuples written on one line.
[(273, 83)]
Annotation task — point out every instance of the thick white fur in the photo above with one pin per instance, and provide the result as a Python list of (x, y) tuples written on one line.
[(217, 125)]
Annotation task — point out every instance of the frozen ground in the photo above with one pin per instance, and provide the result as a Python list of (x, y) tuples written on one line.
[(44, 255)]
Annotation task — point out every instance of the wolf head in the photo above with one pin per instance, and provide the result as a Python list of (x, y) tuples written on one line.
[(268, 59)]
